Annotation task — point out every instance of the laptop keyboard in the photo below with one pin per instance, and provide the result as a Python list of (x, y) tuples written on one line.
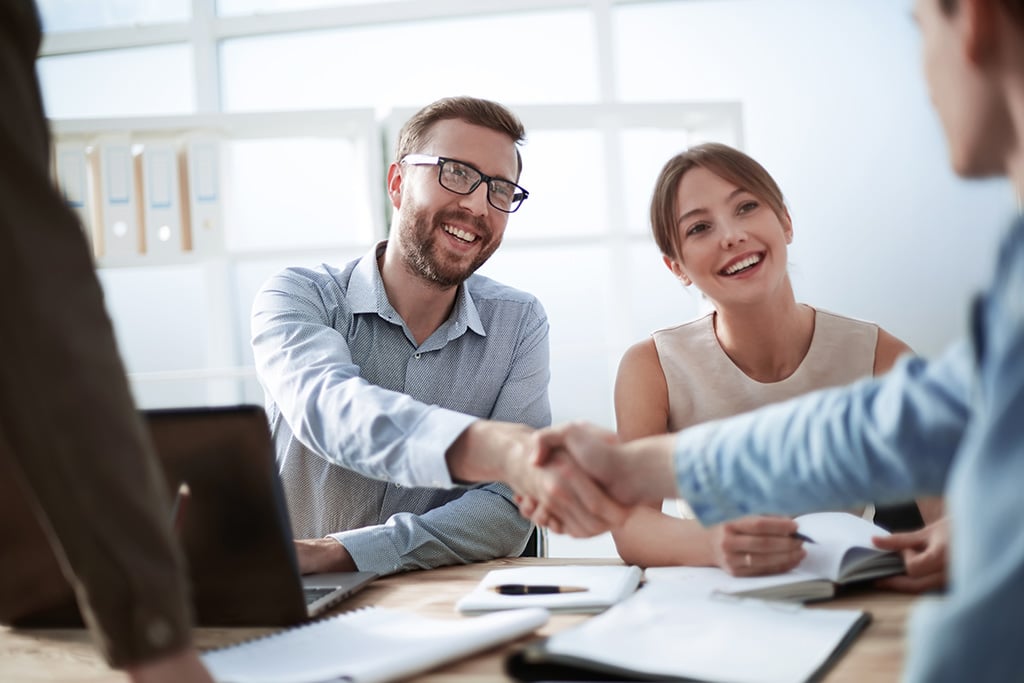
[(314, 594)]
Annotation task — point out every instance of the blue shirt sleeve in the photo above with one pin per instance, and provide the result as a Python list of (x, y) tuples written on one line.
[(306, 366), (954, 425), (484, 522), (881, 439)]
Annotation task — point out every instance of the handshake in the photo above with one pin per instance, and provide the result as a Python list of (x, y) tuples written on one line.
[(575, 479)]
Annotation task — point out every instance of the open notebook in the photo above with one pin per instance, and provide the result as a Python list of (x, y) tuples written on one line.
[(662, 635), (841, 553), (369, 645)]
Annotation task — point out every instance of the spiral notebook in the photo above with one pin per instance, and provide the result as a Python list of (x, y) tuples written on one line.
[(369, 645)]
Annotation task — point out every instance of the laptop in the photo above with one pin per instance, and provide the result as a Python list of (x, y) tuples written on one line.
[(233, 526)]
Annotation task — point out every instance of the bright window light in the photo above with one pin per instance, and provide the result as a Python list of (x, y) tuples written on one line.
[(370, 66), (133, 82), (295, 192), (75, 15)]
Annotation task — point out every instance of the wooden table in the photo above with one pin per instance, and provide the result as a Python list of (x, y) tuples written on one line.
[(67, 655)]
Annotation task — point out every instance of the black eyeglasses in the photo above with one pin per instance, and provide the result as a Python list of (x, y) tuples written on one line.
[(461, 178)]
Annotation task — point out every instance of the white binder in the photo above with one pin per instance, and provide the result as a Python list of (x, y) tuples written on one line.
[(160, 179), (71, 172), (205, 214), (116, 209)]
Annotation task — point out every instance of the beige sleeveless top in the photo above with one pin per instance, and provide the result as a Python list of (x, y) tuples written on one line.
[(704, 384)]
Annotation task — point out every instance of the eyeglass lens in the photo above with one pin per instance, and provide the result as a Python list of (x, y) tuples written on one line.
[(463, 179)]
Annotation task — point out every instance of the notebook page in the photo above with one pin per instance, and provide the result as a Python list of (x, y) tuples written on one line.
[(834, 533), (659, 632), (708, 580)]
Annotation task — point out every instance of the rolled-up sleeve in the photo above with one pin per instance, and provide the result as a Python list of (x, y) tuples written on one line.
[(306, 367)]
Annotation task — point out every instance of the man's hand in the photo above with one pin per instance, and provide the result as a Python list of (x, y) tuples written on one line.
[(561, 495), (640, 471), (925, 554), (319, 555), (564, 498), (754, 546)]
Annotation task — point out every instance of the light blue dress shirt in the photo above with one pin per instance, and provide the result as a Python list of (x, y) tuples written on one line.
[(362, 416), (955, 425)]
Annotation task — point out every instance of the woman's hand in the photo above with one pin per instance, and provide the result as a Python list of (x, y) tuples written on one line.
[(924, 551), (754, 546)]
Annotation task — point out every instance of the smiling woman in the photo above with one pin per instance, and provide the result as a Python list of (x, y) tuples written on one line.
[(722, 225)]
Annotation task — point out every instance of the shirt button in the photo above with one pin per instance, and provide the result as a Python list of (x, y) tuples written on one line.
[(417, 356)]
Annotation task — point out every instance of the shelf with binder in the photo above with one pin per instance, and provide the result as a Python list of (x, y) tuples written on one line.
[(151, 191), (143, 199)]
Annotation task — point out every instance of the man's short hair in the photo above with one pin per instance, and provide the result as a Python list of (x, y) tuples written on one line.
[(416, 131)]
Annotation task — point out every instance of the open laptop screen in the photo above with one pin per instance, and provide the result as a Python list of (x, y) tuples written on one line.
[(233, 528), (234, 525)]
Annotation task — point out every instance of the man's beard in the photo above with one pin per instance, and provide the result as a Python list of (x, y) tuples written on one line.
[(419, 235)]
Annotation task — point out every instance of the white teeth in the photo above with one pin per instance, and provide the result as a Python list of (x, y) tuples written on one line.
[(740, 265), (461, 234)]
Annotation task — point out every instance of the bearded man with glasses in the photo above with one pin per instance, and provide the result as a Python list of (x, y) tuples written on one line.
[(397, 381)]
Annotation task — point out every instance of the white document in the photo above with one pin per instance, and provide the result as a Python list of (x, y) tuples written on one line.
[(795, 585), (604, 586), (659, 634), (370, 645)]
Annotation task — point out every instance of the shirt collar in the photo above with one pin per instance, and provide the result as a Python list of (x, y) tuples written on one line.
[(366, 294)]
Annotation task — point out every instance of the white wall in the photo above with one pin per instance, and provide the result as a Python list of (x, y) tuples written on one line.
[(836, 108)]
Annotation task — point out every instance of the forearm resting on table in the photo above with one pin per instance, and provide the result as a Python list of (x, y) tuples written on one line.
[(319, 555), (651, 538)]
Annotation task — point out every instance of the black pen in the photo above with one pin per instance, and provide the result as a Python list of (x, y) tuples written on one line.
[(524, 589), (801, 537)]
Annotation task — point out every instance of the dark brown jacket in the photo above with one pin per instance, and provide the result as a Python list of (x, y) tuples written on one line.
[(80, 489)]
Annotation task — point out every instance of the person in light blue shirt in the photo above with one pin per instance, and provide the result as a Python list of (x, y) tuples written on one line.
[(396, 378), (953, 425)]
